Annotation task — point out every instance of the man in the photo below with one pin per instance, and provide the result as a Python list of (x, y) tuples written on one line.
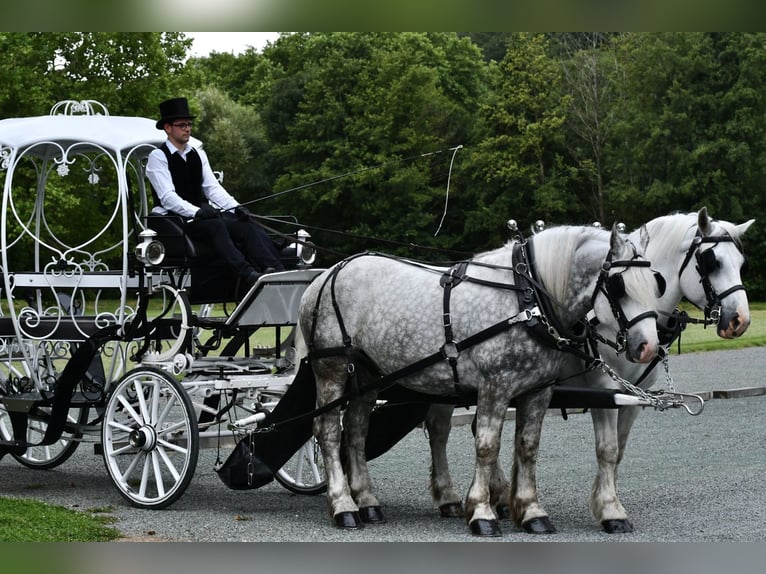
[(184, 184)]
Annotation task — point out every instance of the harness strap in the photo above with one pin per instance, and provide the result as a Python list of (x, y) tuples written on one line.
[(449, 350)]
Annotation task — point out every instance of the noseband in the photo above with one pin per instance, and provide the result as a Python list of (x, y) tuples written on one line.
[(707, 264)]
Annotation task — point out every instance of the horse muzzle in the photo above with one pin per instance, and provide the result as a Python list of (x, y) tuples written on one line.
[(644, 352), (733, 325)]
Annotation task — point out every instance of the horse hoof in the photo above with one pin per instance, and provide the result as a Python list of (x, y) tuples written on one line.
[(372, 514), (451, 510), (503, 511), (348, 520), (484, 527), (539, 525), (617, 526)]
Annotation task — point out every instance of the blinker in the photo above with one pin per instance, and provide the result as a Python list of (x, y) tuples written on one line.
[(616, 285), (661, 284), (707, 262)]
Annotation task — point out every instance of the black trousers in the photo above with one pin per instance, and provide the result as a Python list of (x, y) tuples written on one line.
[(243, 245)]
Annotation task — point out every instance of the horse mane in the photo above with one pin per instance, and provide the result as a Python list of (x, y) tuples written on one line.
[(666, 233), (554, 250)]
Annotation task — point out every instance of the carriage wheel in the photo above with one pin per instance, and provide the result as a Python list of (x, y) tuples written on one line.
[(49, 456), (150, 438), (304, 472)]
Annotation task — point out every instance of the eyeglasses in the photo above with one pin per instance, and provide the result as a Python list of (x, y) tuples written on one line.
[(183, 125)]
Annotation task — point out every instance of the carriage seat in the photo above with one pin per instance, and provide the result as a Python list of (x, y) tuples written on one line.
[(182, 251), (211, 281)]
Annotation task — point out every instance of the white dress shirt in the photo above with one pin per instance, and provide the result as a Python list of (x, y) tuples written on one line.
[(159, 176)]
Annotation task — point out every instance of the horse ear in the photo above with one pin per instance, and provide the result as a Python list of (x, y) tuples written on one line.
[(703, 221), (742, 227), (616, 241), (644, 234)]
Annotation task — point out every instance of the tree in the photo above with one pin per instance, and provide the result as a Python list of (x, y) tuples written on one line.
[(518, 165), (234, 140), (130, 73), (592, 81), (355, 119)]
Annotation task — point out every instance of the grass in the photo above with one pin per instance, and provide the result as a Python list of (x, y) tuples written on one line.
[(32, 521), (696, 338)]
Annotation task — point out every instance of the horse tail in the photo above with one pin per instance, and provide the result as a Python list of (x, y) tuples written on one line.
[(299, 344)]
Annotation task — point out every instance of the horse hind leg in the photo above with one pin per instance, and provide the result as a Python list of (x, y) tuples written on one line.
[(438, 424), (356, 422), (327, 429)]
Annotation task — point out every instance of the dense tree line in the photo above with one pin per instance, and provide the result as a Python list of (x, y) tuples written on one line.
[(386, 141)]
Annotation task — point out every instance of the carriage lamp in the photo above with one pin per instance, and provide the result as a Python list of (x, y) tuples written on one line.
[(149, 250), (305, 250)]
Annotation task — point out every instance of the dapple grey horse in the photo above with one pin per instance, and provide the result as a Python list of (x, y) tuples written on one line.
[(372, 316)]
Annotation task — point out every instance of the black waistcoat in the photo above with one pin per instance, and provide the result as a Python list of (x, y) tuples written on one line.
[(186, 175)]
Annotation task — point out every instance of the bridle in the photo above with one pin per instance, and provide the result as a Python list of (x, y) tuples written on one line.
[(707, 263), (612, 286)]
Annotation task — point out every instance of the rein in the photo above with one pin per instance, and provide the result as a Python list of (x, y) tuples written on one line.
[(532, 295)]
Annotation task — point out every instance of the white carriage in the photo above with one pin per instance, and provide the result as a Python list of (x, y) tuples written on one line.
[(115, 329)]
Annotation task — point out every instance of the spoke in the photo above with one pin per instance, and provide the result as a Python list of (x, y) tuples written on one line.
[(145, 414), (172, 400), (131, 467), (172, 428), (157, 474), (168, 464), (126, 448), (119, 426), (172, 446), (155, 404), (144, 478), (129, 409)]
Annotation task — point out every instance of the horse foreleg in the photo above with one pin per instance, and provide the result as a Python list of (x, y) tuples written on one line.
[(438, 423), (480, 515), (526, 510), (605, 505), (356, 422)]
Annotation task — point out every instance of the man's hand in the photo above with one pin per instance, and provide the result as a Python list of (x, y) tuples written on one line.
[(242, 213), (207, 212)]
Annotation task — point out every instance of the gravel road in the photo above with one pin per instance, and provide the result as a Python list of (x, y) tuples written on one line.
[(685, 479)]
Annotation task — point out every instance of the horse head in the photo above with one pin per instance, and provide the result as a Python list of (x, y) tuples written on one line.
[(710, 274), (625, 297)]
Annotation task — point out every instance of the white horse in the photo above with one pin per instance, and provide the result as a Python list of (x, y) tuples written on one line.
[(374, 320), (700, 259)]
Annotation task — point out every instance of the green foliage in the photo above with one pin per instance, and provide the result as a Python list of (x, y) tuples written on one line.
[(235, 141), (355, 133)]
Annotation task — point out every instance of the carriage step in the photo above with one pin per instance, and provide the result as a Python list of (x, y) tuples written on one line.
[(22, 402)]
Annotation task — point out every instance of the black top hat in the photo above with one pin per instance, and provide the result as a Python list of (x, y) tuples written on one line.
[(173, 109)]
